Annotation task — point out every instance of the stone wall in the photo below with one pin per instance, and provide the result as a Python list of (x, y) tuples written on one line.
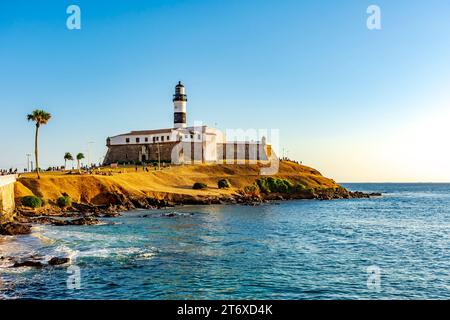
[(7, 204), (188, 152), (137, 153)]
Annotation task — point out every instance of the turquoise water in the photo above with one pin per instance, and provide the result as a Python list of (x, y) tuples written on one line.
[(291, 250)]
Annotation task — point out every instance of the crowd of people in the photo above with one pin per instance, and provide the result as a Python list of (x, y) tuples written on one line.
[(290, 160), (115, 169), (4, 172), (93, 169)]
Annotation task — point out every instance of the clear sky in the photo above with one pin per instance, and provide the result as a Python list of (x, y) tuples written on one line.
[(358, 105)]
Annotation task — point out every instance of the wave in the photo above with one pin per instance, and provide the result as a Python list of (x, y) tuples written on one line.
[(130, 252)]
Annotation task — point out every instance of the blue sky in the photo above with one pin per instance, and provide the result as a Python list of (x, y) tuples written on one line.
[(358, 105)]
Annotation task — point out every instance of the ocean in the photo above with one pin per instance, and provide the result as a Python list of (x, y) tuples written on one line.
[(393, 247)]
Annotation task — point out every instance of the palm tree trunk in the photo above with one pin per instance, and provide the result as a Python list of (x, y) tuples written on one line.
[(36, 150), (65, 164)]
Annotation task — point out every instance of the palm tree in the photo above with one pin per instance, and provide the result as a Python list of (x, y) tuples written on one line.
[(80, 157), (67, 157), (40, 117)]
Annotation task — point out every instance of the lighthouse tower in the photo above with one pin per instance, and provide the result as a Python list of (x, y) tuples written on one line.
[(179, 106)]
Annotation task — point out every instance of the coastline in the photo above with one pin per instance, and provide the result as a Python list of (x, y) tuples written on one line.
[(109, 191), (204, 238), (26, 222), (100, 196)]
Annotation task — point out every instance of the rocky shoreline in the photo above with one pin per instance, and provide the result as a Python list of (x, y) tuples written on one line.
[(88, 214), (82, 214)]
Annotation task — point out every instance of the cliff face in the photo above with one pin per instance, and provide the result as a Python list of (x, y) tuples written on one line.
[(173, 184)]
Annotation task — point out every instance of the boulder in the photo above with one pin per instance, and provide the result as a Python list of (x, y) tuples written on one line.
[(56, 261), (28, 263), (87, 221), (375, 194), (83, 221), (12, 229)]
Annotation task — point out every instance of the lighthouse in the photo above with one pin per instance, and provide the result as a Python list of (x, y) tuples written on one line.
[(179, 106), (180, 144)]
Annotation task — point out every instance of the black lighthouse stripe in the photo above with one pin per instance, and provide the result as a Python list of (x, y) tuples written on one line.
[(179, 117)]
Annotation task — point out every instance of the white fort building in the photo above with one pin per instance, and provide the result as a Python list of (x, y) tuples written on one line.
[(182, 144)]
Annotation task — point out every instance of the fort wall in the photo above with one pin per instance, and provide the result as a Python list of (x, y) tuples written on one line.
[(188, 152)]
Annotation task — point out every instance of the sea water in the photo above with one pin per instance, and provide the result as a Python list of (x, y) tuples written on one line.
[(393, 247)]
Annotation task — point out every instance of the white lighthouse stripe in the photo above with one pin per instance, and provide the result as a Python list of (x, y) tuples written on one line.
[(179, 125), (179, 106)]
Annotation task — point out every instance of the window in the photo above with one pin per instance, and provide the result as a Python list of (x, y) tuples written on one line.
[(192, 136), (154, 139), (199, 137), (185, 136), (162, 138), (127, 140), (157, 138), (146, 139), (168, 138), (138, 140)]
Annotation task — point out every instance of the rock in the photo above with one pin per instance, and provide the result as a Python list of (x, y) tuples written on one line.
[(87, 221), (28, 263), (56, 222), (358, 195), (159, 203), (109, 215), (362, 195), (12, 229), (83, 221), (375, 194), (18, 218), (56, 261), (81, 207), (140, 203)]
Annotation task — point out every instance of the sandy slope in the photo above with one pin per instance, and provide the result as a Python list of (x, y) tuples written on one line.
[(176, 181)]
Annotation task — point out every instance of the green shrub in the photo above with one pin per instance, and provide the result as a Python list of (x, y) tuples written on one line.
[(252, 189), (275, 185), (224, 184), (298, 188), (64, 201), (262, 185), (199, 185), (32, 202)]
